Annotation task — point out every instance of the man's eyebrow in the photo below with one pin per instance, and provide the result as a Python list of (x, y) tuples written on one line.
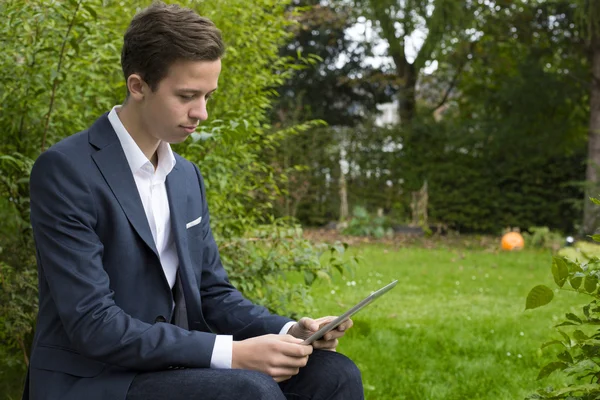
[(194, 91)]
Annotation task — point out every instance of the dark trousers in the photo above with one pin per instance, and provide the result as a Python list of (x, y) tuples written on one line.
[(327, 376)]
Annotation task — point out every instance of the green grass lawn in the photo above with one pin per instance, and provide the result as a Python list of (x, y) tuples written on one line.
[(454, 327)]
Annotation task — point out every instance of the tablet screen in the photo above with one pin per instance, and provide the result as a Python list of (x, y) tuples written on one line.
[(336, 322)]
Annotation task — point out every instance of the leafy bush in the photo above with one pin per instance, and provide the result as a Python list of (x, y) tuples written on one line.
[(580, 335), (542, 237), (581, 251), (363, 224), (263, 263)]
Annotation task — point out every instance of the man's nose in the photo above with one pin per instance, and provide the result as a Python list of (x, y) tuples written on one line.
[(199, 112)]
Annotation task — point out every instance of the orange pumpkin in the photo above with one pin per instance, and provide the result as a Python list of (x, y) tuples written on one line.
[(512, 241)]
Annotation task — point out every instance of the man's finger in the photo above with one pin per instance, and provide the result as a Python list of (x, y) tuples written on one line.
[(289, 339), (283, 372), (309, 324), (281, 378), (325, 320), (294, 349), (326, 344), (334, 334), (344, 326)]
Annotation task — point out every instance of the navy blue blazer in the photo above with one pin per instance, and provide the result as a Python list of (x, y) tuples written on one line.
[(104, 300)]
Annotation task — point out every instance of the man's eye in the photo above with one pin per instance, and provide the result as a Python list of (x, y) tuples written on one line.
[(186, 97)]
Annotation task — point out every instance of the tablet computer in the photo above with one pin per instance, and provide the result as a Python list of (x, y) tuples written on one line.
[(336, 322)]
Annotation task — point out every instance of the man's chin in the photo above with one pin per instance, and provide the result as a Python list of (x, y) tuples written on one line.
[(176, 139)]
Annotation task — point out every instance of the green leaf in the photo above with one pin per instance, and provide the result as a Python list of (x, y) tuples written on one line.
[(590, 283), (580, 336), (566, 357), (539, 296), (324, 275), (595, 238), (576, 281), (590, 350), (565, 336), (595, 201), (584, 365), (586, 388), (74, 45), (573, 266), (586, 310), (309, 277), (560, 272), (550, 368), (551, 343), (566, 323), (573, 317), (339, 247), (92, 12)]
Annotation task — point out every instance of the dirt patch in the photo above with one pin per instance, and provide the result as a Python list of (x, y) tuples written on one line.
[(488, 243)]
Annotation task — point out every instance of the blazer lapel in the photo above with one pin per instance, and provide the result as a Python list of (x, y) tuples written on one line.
[(113, 165), (177, 194)]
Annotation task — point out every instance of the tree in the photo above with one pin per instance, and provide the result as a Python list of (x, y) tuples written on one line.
[(590, 24), (335, 86), (396, 21), (514, 149)]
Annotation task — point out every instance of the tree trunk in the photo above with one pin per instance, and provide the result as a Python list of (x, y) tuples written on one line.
[(591, 212), (343, 197), (407, 94), (407, 72)]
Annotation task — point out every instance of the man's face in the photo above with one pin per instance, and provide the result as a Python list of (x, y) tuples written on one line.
[(172, 112)]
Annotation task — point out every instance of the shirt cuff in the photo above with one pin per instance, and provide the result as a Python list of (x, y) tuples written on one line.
[(286, 328), (222, 352)]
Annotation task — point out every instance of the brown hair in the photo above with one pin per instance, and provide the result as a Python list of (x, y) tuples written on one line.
[(161, 34)]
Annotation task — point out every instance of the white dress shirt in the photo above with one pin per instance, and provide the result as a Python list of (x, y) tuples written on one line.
[(151, 186)]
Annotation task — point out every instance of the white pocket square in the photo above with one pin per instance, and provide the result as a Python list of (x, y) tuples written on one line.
[(193, 223)]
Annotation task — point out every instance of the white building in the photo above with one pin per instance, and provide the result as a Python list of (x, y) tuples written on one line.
[(388, 114)]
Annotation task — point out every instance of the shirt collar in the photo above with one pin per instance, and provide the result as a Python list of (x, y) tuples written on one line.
[(135, 157)]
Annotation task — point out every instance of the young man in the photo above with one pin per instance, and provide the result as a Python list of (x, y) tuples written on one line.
[(134, 301)]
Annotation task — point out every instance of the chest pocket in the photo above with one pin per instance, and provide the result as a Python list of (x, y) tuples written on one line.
[(196, 231)]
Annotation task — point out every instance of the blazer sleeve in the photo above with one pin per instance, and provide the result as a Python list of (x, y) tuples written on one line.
[(63, 217), (224, 308)]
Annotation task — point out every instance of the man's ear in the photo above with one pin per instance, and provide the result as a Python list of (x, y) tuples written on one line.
[(137, 87)]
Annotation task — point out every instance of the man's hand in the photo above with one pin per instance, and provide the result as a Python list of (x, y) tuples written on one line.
[(280, 356), (307, 326)]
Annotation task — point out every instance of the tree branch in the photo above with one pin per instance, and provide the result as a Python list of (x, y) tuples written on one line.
[(450, 88), (26, 105), (446, 14), (389, 32), (24, 350), (455, 78), (55, 83)]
